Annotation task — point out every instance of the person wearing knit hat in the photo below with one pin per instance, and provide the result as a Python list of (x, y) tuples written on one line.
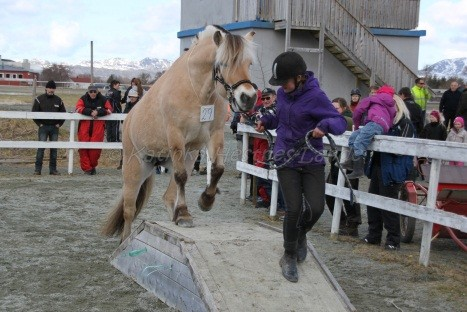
[(48, 128), (435, 129), (355, 96), (459, 120), (380, 111), (436, 115), (457, 134), (133, 99), (51, 85)]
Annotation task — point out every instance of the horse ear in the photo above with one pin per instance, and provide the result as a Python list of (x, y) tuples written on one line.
[(217, 38), (249, 36)]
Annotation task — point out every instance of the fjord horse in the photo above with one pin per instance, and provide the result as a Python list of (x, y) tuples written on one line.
[(181, 113)]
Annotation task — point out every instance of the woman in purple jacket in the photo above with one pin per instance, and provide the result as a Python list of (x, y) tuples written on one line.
[(302, 108)]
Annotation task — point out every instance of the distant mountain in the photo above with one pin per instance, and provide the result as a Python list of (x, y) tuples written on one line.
[(105, 68), (447, 68)]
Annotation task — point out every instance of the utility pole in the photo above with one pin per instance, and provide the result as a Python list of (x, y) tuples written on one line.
[(92, 64)]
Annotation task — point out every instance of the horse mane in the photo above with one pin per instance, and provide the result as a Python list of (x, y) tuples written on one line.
[(234, 49)]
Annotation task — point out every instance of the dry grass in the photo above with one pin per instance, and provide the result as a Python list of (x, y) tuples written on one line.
[(444, 278)]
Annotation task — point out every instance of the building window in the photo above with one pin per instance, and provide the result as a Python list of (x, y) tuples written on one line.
[(14, 76), (7, 75), (1, 75), (20, 76)]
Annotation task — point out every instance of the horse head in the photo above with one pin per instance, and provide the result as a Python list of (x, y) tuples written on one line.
[(234, 56)]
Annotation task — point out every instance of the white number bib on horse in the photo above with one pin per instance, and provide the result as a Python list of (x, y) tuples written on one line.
[(207, 113)]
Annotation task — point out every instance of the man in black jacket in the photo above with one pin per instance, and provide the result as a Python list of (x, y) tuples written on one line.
[(416, 114), (449, 103), (48, 128)]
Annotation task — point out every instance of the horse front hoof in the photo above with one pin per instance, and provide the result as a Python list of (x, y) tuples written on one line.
[(206, 201), (185, 222)]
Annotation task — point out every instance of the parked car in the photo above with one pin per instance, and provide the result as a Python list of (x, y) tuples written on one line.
[(100, 85), (106, 88)]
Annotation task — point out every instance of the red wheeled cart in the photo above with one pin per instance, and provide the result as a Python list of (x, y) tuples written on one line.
[(452, 197)]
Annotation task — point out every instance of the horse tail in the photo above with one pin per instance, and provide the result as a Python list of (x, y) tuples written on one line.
[(144, 193), (115, 221)]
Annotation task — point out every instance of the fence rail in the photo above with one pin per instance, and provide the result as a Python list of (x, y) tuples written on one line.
[(435, 150), (71, 144)]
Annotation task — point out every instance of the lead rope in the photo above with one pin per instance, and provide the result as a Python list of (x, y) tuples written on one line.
[(333, 155), (301, 146)]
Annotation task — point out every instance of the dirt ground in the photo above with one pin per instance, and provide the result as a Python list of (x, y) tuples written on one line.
[(53, 259)]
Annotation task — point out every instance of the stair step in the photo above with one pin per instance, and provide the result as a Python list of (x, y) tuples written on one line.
[(299, 49), (357, 70), (349, 63)]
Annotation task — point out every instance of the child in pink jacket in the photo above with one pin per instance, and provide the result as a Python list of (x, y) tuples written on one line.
[(380, 111)]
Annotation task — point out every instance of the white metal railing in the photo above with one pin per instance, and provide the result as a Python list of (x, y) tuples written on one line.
[(71, 144), (436, 150)]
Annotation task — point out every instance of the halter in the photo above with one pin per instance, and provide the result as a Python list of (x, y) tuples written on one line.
[(217, 76)]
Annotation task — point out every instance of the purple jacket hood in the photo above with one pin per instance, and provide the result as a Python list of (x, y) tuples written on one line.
[(298, 112)]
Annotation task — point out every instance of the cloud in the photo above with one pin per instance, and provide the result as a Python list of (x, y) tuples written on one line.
[(64, 37), (154, 31), (20, 6), (444, 30), (448, 14), (61, 32)]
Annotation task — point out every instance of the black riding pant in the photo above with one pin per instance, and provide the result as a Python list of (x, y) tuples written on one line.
[(307, 181), (377, 218)]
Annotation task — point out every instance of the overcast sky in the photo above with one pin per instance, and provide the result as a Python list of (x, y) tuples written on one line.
[(61, 31), (445, 22)]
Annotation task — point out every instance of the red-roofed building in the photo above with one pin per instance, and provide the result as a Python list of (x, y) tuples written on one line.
[(80, 82), (16, 74)]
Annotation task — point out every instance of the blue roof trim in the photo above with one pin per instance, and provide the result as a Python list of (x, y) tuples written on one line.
[(231, 26), (398, 32)]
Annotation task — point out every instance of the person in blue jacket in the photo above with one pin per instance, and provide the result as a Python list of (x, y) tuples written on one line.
[(302, 108), (387, 172)]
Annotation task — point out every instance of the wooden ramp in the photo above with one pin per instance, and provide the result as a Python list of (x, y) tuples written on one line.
[(224, 267)]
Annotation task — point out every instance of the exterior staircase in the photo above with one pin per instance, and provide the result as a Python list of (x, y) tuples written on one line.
[(351, 43)]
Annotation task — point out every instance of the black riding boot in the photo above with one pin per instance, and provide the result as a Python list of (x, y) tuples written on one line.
[(350, 229), (358, 166), (288, 262), (348, 163), (302, 248)]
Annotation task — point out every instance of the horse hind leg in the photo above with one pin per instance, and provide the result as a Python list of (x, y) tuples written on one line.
[(138, 180)]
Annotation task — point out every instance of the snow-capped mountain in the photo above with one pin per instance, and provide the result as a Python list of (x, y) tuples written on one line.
[(129, 68), (116, 66), (447, 68)]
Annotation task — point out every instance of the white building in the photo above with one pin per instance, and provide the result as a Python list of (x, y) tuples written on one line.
[(354, 43)]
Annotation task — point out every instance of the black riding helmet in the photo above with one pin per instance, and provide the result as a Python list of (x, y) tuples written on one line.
[(286, 65)]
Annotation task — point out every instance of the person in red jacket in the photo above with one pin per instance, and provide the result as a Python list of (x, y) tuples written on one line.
[(93, 104)]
